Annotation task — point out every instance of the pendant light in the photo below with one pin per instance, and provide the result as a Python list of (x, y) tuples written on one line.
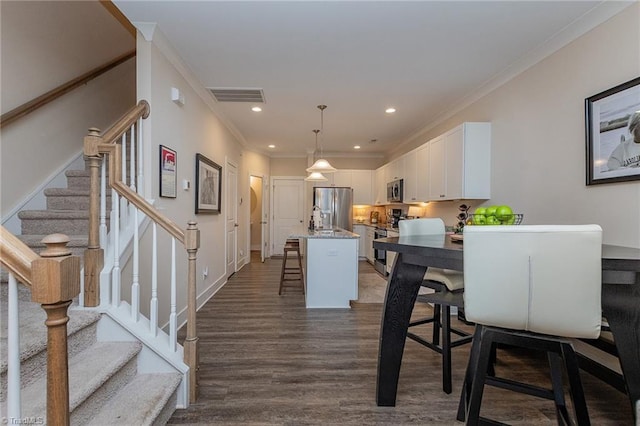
[(316, 176), (321, 165)]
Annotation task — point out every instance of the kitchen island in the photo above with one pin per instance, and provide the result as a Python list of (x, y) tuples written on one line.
[(331, 267)]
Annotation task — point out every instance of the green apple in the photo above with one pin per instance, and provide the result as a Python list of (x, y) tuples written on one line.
[(480, 211), (492, 220), (479, 219), (504, 213), (491, 211)]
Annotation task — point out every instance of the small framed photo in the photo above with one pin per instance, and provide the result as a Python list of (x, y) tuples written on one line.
[(208, 185), (613, 134), (168, 177)]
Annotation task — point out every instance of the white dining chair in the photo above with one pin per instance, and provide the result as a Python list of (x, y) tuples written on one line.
[(532, 286), (448, 285)]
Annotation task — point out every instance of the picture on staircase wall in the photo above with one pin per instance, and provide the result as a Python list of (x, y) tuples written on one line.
[(208, 185), (168, 175)]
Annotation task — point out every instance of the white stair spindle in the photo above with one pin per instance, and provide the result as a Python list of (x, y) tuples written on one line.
[(14, 404), (140, 183), (81, 295), (153, 308), (115, 273), (132, 159), (123, 201), (135, 286), (103, 205), (173, 333)]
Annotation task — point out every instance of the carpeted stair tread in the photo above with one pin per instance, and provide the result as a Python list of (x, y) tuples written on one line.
[(142, 402), (33, 332), (89, 370), (53, 214)]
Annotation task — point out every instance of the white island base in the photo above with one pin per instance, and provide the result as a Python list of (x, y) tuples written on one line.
[(331, 269)]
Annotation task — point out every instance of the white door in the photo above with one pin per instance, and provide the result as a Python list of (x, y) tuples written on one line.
[(232, 217), (288, 211)]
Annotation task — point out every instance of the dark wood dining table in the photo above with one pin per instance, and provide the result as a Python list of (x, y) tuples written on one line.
[(620, 304)]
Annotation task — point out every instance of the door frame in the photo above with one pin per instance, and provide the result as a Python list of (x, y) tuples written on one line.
[(264, 236), (228, 162)]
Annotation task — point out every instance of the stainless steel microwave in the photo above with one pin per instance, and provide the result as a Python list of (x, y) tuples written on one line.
[(394, 191)]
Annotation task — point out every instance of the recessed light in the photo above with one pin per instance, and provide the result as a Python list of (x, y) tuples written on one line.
[(256, 109), (390, 110), (272, 146), (356, 147)]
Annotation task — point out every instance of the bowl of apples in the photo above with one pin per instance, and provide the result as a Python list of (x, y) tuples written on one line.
[(495, 215)]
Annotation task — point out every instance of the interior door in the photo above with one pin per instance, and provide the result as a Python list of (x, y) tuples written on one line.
[(288, 211), (232, 218)]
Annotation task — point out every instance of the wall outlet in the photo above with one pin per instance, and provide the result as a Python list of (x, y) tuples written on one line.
[(241, 252)]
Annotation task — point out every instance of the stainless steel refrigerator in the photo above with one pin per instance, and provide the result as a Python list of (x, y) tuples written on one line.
[(336, 205)]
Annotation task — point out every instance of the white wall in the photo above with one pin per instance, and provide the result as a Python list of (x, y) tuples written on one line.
[(538, 151), (45, 44), (190, 129)]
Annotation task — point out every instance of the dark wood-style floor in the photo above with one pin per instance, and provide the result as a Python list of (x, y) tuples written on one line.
[(266, 360)]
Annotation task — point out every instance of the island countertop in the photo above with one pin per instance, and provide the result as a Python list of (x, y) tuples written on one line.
[(326, 233)]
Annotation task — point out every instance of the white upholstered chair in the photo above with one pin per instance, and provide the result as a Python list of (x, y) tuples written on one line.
[(448, 285), (531, 286)]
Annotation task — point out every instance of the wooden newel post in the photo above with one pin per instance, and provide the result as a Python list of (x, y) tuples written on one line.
[(55, 282), (93, 256), (191, 356)]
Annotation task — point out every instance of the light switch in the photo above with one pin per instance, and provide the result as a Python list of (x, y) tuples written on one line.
[(186, 184)]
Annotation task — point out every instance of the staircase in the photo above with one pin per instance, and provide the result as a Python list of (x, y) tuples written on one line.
[(67, 212), (105, 387), (105, 384)]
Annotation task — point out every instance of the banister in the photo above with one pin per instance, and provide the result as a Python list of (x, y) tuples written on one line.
[(52, 95), (16, 256), (141, 110), (115, 181)]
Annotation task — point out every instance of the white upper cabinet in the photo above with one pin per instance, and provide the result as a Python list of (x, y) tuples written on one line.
[(362, 184), (395, 169), (360, 180), (410, 171), (381, 185), (460, 163), (422, 172)]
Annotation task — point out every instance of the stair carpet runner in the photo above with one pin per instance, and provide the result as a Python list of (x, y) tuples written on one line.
[(105, 387)]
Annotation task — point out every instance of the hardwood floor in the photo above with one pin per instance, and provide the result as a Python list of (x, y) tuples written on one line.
[(267, 360)]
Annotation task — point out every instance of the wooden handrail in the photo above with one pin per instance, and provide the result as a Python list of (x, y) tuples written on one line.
[(16, 256), (54, 94), (111, 135)]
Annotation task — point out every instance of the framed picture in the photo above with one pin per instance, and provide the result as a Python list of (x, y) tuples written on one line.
[(208, 185), (613, 134), (168, 179)]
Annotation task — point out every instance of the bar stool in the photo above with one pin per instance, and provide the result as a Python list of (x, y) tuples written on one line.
[(291, 245), (532, 286), (449, 289)]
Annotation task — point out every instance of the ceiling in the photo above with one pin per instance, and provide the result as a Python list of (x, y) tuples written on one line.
[(427, 59)]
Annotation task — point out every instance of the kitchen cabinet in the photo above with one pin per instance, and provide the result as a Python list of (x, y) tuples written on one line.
[(362, 243), (360, 180), (381, 185), (459, 163), (370, 235), (395, 169), (362, 184), (422, 172), (410, 160)]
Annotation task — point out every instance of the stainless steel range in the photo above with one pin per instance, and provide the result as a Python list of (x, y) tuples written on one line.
[(380, 256)]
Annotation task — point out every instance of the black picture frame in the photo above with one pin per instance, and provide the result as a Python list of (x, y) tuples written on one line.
[(607, 118), (168, 166), (208, 185)]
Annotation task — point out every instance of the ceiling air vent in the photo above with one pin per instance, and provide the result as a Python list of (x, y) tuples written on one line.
[(237, 95)]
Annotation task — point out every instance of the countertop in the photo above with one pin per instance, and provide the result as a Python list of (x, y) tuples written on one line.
[(336, 233)]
